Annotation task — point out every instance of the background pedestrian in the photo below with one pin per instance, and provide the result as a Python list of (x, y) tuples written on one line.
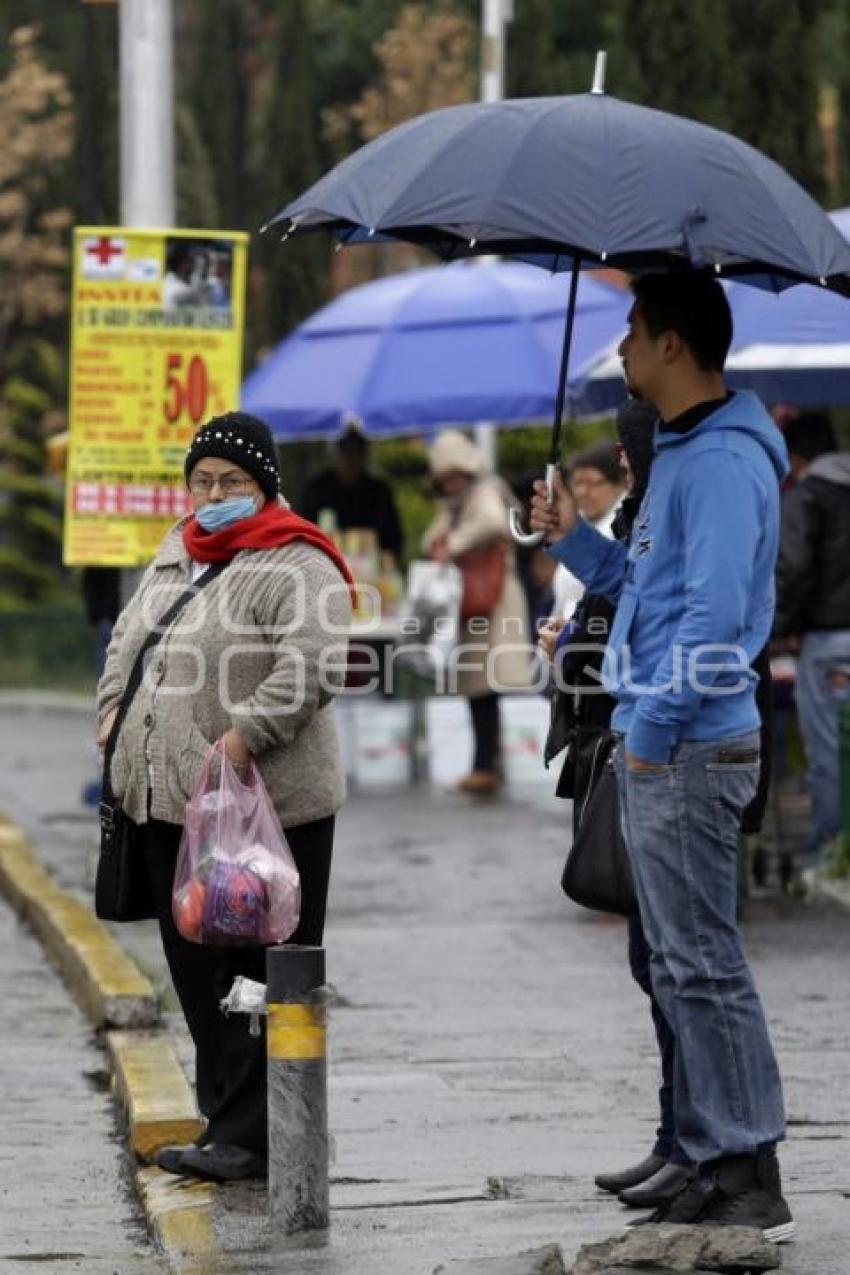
[(471, 530)]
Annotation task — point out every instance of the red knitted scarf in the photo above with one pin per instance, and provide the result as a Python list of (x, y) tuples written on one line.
[(272, 527)]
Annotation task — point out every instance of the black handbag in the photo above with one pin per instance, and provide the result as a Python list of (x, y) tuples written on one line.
[(597, 873), (122, 889)]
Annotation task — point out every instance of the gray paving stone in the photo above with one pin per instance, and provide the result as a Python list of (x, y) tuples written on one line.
[(65, 1202), (539, 1261)]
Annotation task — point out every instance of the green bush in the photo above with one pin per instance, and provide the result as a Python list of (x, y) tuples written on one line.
[(46, 650)]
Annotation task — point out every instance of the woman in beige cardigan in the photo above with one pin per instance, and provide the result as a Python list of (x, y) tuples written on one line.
[(251, 662), (494, 650)]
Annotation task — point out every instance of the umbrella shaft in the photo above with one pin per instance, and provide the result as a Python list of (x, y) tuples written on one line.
[(555, 447)]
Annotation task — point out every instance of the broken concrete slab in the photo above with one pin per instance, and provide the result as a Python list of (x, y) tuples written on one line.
[(737, 1250)]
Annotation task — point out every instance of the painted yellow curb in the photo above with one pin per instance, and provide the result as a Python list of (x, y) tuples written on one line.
[(108, 985), (180, 1213), (160, 1105)]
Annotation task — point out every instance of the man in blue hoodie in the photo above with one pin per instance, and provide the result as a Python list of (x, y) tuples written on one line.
[(695, 602)]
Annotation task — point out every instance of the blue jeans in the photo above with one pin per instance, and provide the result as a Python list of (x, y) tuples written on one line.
[(823, 682), (680, 823)]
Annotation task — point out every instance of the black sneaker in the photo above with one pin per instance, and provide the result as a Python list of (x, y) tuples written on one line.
[(748, 1192)]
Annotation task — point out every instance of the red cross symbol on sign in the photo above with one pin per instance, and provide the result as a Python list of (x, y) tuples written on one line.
[(104, 249)]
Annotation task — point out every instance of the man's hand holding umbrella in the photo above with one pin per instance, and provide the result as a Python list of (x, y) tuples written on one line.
[(555, 517)]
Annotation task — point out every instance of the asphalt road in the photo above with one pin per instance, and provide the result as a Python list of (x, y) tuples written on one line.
[(488, 1052)]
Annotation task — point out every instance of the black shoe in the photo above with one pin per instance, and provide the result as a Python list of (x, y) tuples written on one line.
[(660, 1189), (617, 1182), (748, 1192), (169, 1158), (686, 1208), (221, 1162)]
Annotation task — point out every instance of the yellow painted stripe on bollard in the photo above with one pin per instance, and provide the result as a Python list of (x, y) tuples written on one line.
[(296, 1031)]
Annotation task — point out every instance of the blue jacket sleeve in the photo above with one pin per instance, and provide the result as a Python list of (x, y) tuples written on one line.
[(599, 562), (722, 523)]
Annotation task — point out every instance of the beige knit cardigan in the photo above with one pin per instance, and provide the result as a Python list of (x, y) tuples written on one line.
[(262, 648)]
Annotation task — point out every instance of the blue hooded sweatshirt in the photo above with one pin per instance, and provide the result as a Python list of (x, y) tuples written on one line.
[(695, 587)]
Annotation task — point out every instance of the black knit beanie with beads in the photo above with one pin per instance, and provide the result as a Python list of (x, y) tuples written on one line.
[(243, 439)]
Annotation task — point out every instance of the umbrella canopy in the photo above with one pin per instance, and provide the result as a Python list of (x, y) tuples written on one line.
[(570, 181), (587, 176), (793, 348), (429, 347)]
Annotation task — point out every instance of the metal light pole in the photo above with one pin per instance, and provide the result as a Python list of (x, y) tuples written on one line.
[(147, 113), (146, 93), (495, 14)]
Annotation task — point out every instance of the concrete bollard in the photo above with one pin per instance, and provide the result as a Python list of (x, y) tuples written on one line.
[(297, 1089)]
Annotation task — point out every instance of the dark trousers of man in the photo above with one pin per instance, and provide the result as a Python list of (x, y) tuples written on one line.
[(666, 1144), (487, 732), (231, 1063)]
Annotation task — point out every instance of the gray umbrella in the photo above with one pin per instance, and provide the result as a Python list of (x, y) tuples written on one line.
[(579, 181)]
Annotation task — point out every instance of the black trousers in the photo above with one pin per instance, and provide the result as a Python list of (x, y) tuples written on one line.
[(487, 732), (231, 1063)]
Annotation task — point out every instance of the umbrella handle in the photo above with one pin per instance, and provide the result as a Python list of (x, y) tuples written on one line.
[(529, 538)]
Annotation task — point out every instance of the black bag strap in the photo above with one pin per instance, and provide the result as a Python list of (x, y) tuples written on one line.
[(134, 681)]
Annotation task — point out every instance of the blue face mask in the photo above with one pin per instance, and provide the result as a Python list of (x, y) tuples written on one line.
[(214, 517)]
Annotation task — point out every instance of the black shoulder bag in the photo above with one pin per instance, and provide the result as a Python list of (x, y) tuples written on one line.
[(122, 891), (597, 873)]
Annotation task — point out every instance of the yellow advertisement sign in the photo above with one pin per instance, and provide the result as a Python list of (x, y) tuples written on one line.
[(156, 348)]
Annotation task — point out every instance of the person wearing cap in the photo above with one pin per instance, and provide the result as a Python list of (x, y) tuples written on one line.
[(494, 650), (356, 498), (251, 663)]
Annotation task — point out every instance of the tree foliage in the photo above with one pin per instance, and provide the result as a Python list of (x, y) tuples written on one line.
[(296, 277), (35, 111), (272, 92), (426, 61)]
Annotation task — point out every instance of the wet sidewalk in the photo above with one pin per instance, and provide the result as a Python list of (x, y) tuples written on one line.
[(65, 1200), (488, 1052)]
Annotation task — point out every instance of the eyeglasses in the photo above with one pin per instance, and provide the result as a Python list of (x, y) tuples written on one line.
[(581, 483), (230, 485)]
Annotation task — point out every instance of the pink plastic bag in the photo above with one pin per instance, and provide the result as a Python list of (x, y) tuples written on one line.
[(236, 882)]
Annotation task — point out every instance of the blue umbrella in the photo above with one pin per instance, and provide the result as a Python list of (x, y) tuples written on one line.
[(793, 348), (430, 347), (571, 181)]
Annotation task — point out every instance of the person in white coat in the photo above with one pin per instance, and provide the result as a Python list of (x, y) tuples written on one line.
[(471, 529)]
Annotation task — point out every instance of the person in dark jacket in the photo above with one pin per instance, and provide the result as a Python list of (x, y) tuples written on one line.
[(813, 606), (355, 498), (101, 588)]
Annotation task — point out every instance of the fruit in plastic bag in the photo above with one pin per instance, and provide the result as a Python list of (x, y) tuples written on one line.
[(269, 867), (189, 904), (237, 903), (235, 881)]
